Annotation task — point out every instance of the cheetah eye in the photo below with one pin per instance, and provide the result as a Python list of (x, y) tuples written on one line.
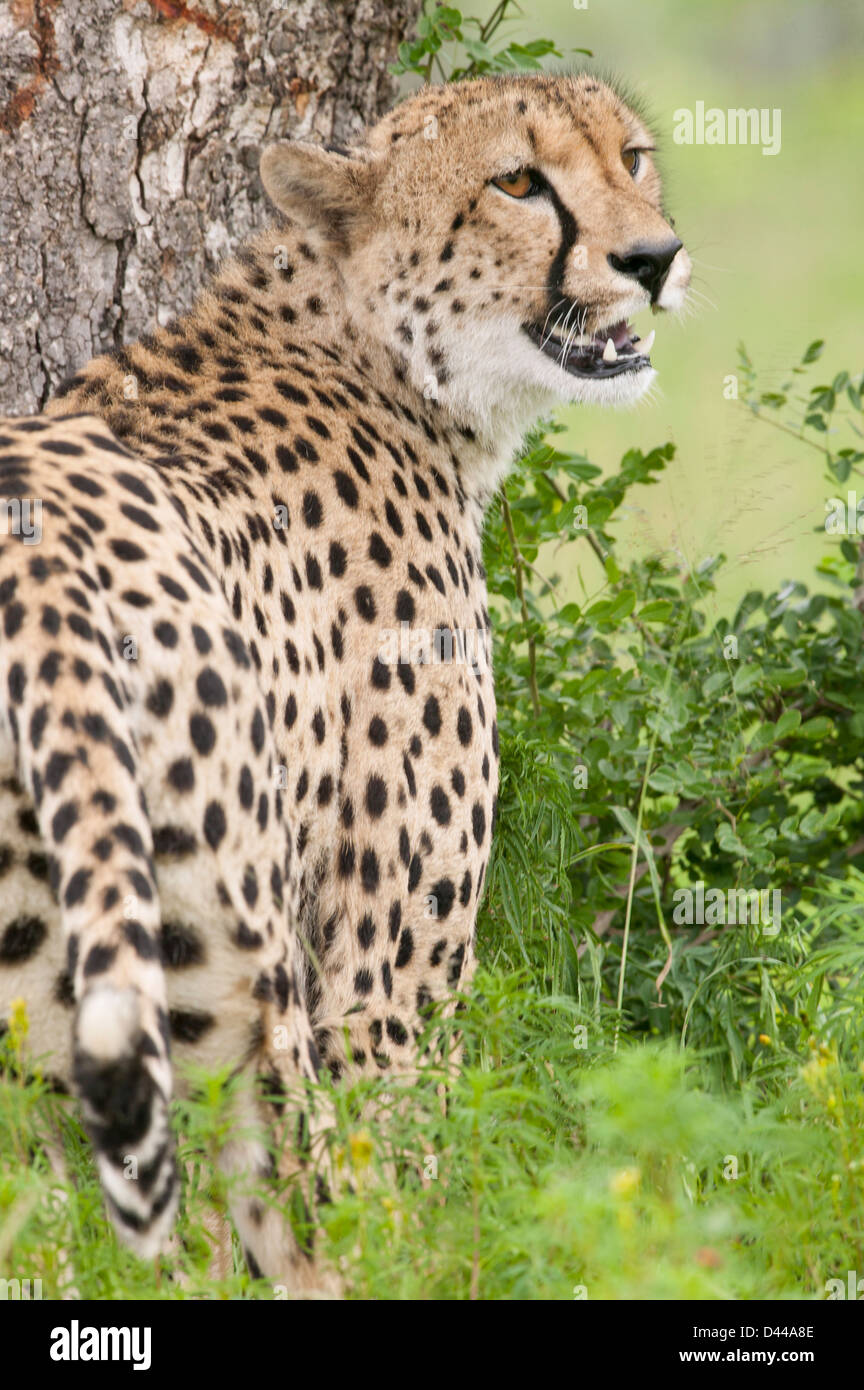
[(632, 161), (523, 184)]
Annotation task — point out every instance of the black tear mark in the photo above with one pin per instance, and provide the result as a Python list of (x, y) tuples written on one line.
[(569, 237)]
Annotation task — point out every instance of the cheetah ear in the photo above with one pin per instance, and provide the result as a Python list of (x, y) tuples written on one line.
[(325, 190)]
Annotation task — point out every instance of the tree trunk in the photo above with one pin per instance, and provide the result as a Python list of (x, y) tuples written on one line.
[(130, 132)]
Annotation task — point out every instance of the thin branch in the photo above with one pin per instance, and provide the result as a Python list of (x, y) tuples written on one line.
[(494, 20), (787, 429), (562, 496)]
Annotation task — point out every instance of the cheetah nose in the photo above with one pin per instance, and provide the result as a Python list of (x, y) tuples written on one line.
[(649, 264)]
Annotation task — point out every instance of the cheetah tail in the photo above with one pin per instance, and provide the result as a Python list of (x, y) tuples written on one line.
[(63, 718)]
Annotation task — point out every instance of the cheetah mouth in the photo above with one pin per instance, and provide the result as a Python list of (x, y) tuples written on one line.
[(608, 352)]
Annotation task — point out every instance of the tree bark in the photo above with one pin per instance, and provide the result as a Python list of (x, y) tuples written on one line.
[(130, 132)]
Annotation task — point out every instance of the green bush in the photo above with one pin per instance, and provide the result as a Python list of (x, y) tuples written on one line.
[(647, 750)]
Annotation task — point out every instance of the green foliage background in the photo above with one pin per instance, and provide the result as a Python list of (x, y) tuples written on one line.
[(646, 1110), (776, 249)]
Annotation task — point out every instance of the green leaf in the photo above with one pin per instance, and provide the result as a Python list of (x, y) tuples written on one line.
[(479, 51), (599, 511), (612, 610), (730, 842), (747, 677), (570, 613), (538, 48), (763, 736), (660, 611), (770, 733), (787, 723), (814, 351), (811, 824), (715, 683), (841, 468), (816, 728), (600, 610), (663, 780), (786, 677)]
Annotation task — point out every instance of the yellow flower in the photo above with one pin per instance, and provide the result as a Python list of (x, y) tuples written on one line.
[(360, 1145), (19, 1023), (625, 1182), (814, 1073), (19, 1027)]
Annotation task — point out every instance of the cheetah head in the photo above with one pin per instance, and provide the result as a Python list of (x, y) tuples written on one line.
[(498, 236)]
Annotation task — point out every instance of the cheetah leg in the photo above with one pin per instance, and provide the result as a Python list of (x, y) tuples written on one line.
[(270, 1244), (60, 1194), (279, 1140), (218, 1227), (218, 1230)]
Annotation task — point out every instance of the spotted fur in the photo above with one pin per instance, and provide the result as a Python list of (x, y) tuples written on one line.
[(243, 816)]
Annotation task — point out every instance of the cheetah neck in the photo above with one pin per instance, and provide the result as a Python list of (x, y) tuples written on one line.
[(279, 304), (309, 288)]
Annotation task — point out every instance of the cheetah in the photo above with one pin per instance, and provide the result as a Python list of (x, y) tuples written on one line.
[(248, 753)]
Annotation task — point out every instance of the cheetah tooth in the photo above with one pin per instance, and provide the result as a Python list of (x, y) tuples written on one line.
[(609, 353), (646, 344)]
